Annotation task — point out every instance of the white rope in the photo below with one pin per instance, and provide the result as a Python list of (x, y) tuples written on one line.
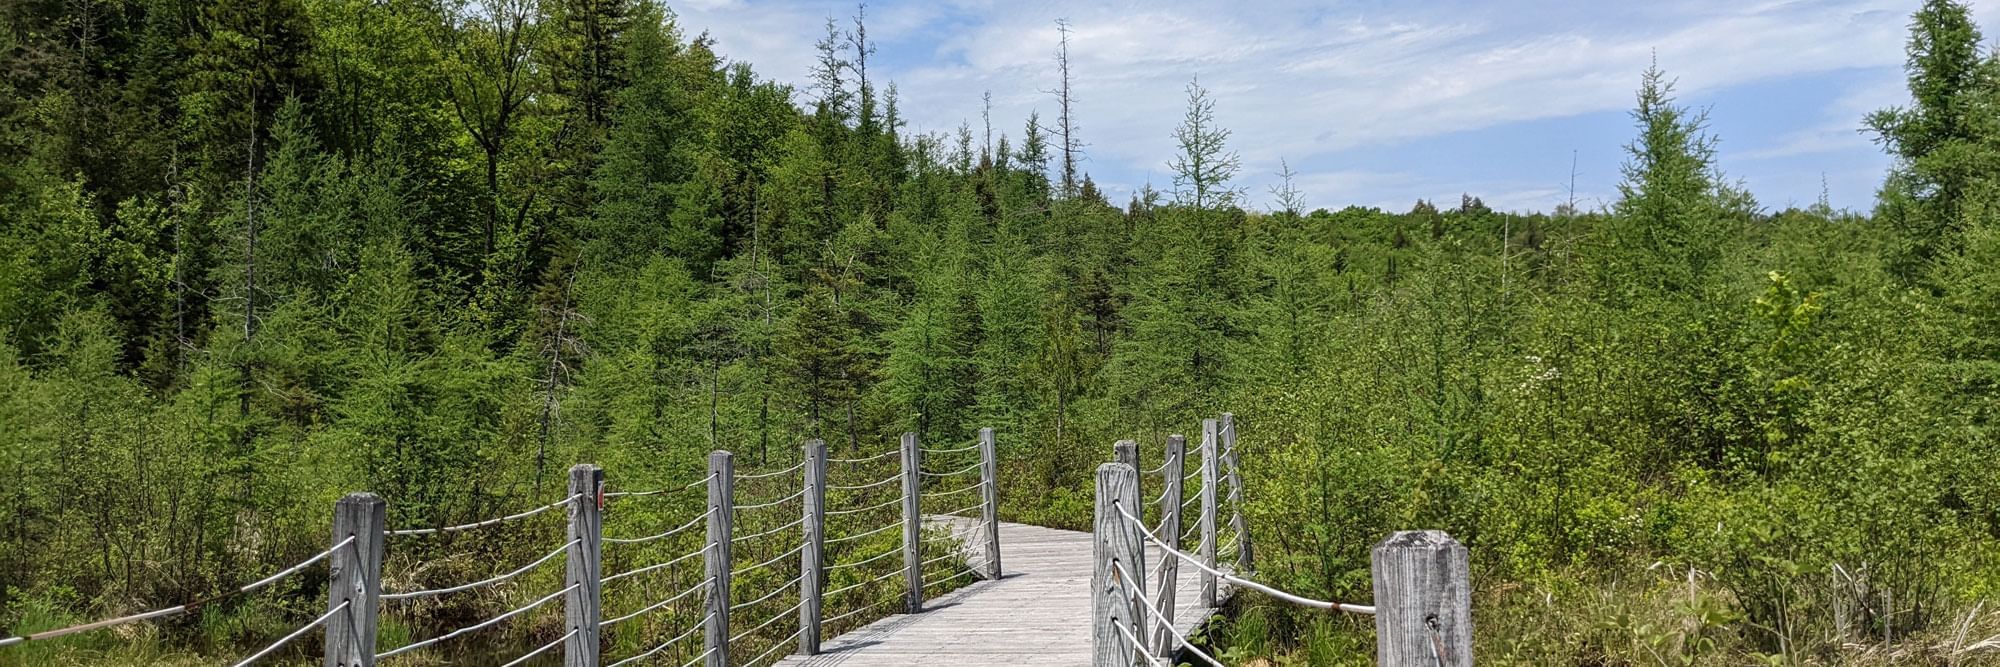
[(787, 641), (704, 655), (975, 486), (488, 522), (538, 651), (477, 626), (704, 549), (794, 551), (870, 485), (975, 466), (1139, 595), (967, 508), (1163, 464), (1239, 581), (773, 503), (767, 622), (865, 459), (296, 633), (1136, 646), (657, 605), (768, 533), (641, 540), (483, 582), (663, 646), (953, 450), (179, 608), (857, 536), (891, 501), (891, 552), (773, 473), (892, 573), (774, 593), (830, 619)]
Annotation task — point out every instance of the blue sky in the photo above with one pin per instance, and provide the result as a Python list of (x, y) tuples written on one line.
[(1379, 103)]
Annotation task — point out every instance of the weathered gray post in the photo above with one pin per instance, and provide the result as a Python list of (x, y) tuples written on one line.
[(913, 527), (721, 511), (989, 502), (1208, 471), (354, 577), (585, 564), (1118, 544), (1423, 600), (1170, 525), (811, 568), (1233, 461), (1126, 452)]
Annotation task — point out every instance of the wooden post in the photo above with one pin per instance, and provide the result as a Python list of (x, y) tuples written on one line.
[(913, 527), (354, 576), (811, 565), (1170, 524), (989, 506), (1114, 610), (1423, 600), (1233, 462), (1208, 471), (1126, 452), (586, 530), (721, 514)]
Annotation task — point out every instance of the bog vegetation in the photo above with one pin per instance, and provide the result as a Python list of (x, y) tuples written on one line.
[(255, 254)]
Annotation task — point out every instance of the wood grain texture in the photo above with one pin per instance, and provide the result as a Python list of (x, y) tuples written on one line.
[(354, 576), (913, 526), (1209, 468), (1423, 600), (1113, 614), (1170, 568), (721, 515), (581, 606), (989, 506), (1237, 525), (811, 572)]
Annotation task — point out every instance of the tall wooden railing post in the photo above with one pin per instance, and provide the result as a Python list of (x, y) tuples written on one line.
[(1126, 452), (989, 501), (913, 527), (354, 575), (1114, 609), (1233, 462), (585, 565), (1423, 600), (1170, 533), (1208, 471), (811, 566), (721, 513)]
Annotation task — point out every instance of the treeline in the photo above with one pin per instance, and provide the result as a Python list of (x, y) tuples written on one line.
[(255, 254)]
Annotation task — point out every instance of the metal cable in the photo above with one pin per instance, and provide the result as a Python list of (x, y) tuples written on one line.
[(782, 556), (769, 596), (891, 501), (767, 533), (476, 626), (870, 485), (1239, 581), (657, 605), (344, 604), (483, 582), (698, 625), (975, 466), (856, 536), (641, 540), (774, 473), (780, 501), (865, 561), (179, 608), (767, 622), (488, 522), (538, 651), (704, 549)]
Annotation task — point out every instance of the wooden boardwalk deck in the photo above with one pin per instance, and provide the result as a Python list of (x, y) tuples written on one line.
[(1037, 613)]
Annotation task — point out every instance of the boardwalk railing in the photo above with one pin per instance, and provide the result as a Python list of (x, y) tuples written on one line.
[(805, 533), (1422, 585)]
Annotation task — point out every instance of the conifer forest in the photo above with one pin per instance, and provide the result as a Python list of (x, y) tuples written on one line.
[(258, 254)]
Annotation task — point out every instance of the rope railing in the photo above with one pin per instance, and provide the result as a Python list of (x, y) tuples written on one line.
[(540, 650), (856, 536), (761, 475), (767, 622), (698, 625), (1138, 595), (830, 620), (476, 626), (670, 532), (705, 583), (752, 536), (483, 582), (870, 508), (862, 487), (955, 450), (685, 487), (849, 587), (867, 459), (939, 494), (865, 561), (975, 466), (752, 568), (774, 647), (773, 503), (1235, 580), (1137, 647), (179, 608), (295, 634), (488, 522), (656, 566)]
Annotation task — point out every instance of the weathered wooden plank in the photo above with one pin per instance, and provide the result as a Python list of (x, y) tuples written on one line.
[(1117, 623), (1237, 526), (354, 577), (811, 574), (1208, 474), (581, 606), (989, 505), (1423, 600), (1170, 532), (913, 526), (721, 515)]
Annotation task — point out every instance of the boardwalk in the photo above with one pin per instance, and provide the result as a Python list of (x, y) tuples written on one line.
[(1037, 613)]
